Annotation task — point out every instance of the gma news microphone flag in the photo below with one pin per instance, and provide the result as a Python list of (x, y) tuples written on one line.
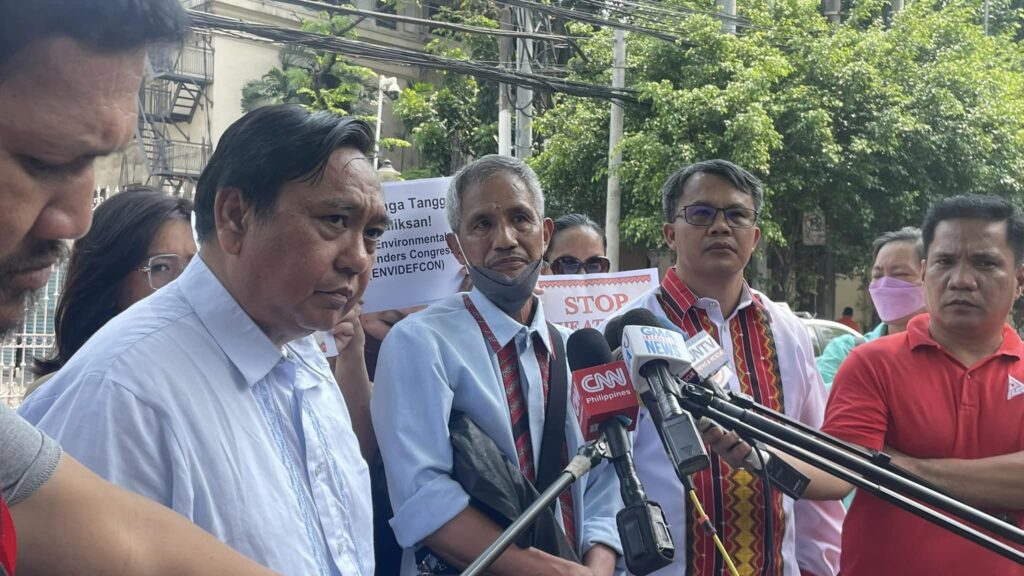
[(643, 344), (600, 393)]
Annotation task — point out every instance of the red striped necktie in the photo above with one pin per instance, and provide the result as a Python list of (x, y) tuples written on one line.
[(508, 362)]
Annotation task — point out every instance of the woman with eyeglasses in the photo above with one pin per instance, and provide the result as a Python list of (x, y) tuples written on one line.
[(140, 241), (577, 246)]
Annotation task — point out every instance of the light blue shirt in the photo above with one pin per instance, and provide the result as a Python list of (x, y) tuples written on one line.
[(183, 399), (437, 361)]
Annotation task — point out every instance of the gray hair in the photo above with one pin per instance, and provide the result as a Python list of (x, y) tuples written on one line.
[(478, 171), (740, 179), (907, 234)]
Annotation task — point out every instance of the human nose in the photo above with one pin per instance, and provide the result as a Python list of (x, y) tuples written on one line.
[(505, 237), (353, 255), (68, 214), (961, 277), (719, 223)]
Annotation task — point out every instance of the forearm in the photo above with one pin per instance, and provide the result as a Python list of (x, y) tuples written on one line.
[(465, 537), (77, 523), (601, 560), (993, 482), (823, 486), (354, 382)]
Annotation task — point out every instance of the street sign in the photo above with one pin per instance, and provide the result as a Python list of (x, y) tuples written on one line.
[(814, 228)]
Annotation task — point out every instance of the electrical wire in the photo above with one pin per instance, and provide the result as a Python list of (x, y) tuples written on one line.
[(570, 14), (337, 9), (390, 54), (705, 523), (769, 526)]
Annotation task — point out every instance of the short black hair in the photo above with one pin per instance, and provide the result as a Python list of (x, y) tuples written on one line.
[(977, 207), (104, 25), (907, 234), (848, 311), (741, 179), (570, 221), (269, 147), (123, 227)]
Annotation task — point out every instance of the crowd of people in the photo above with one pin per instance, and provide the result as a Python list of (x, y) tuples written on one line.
[(187, 422)]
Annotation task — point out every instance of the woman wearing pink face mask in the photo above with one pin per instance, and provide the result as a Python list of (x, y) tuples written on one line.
[(895, 290)]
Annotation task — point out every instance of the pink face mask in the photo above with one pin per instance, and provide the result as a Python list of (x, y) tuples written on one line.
[(895, 298)]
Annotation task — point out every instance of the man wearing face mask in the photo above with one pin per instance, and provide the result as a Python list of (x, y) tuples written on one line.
[(896, 292), (488, 354)]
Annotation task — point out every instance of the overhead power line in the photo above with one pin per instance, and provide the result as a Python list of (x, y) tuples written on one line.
[(337, 9), (585, 17), (389, 54)]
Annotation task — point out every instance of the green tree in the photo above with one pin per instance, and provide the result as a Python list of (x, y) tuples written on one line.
[(867, 122), (454, 120), (319, 80)]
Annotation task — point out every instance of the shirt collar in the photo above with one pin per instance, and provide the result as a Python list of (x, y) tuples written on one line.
[(677, 290), (241, 340), (503, 326), (918, 335)]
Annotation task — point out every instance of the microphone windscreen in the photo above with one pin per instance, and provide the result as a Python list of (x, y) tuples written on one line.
[(587, 348), (639, 317), (613, 332)]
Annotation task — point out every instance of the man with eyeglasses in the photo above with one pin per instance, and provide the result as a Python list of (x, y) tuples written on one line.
[(711, 211)]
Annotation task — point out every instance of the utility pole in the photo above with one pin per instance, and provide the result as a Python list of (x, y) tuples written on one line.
[(833, 11), (728, 8), (986, 17), (897, 6), (504, 101), (613, 203), (524, 96)]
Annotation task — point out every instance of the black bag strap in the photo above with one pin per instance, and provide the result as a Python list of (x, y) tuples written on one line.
[(550, 464)]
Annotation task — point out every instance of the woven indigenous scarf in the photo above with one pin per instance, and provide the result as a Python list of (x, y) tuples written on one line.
[(733, 499)]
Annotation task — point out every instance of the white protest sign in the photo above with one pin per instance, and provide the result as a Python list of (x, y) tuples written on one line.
[(414, 265), (586, 300)]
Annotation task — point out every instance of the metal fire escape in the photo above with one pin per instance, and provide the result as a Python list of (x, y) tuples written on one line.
[(175, 89)]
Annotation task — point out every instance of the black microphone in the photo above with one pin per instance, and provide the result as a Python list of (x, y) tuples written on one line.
[(601, 398), (650, 352)]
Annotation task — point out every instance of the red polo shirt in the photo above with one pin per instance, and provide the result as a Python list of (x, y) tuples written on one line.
[(906, 392), (8, 543)]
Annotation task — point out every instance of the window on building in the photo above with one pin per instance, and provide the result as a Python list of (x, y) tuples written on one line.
[(387, 7)]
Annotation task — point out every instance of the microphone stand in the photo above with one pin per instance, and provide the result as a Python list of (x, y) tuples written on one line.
[(588, 457), (855, 466)]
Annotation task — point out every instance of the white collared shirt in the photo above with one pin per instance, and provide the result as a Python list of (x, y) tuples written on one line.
[(812, 541), (183, 399), (436, 361)]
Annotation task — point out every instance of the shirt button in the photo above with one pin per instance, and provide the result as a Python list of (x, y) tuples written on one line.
[(319, 470)]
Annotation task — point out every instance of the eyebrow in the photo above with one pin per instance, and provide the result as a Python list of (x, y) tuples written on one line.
[(707, 204)]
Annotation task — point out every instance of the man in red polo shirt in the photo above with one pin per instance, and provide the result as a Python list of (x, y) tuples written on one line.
[(945, 398)]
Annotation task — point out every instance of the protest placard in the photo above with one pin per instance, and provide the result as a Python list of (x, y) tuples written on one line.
[(414, 265), (586, 300)]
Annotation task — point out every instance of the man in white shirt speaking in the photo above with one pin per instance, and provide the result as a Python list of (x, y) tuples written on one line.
[(711, 212), (211, 396)]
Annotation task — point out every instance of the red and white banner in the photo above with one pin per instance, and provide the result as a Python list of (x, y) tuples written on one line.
[(586, 300)]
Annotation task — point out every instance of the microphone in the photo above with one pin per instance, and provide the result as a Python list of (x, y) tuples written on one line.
[(603, 398), (601, 390), (653, 355)]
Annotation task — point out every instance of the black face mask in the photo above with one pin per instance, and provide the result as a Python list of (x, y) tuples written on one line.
[(507, 292)]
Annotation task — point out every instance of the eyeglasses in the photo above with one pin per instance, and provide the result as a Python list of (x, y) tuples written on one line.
[(736, 217), (571, 265), (163, 268)]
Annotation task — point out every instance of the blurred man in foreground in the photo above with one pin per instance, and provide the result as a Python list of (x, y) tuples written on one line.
[(69, 81)]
